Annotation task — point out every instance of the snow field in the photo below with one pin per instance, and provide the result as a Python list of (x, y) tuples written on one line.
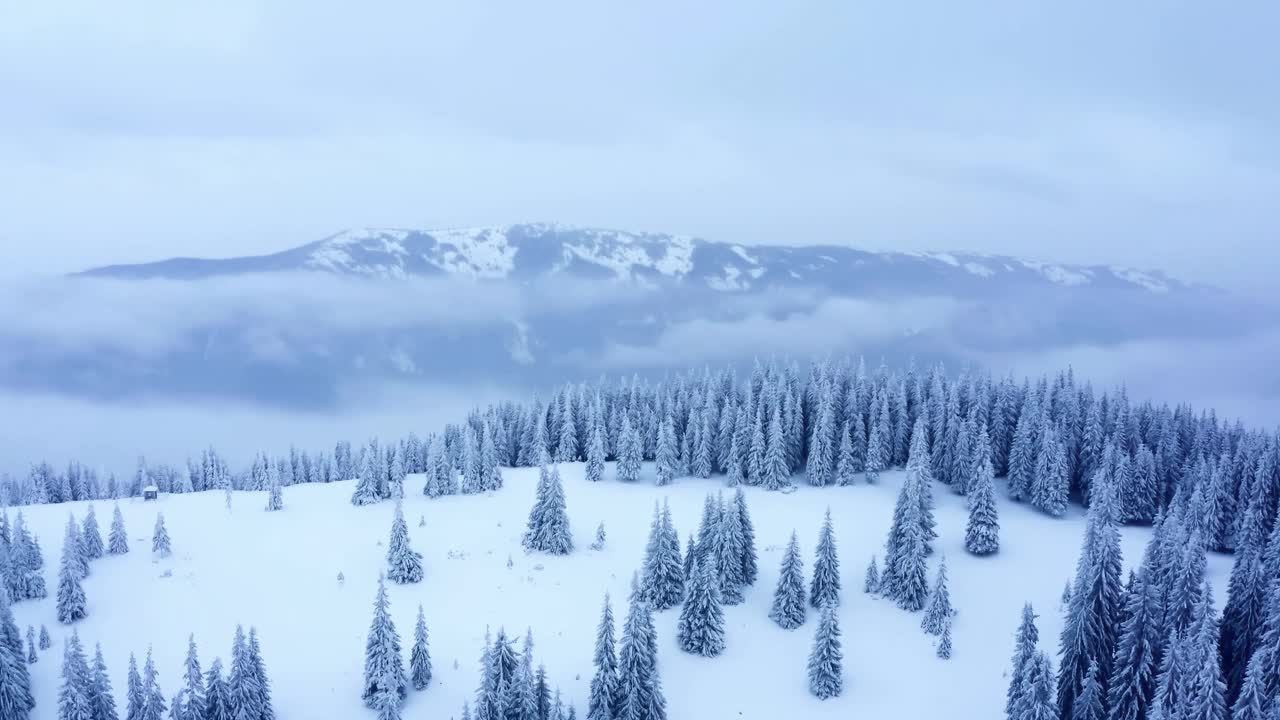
[(277, 572)]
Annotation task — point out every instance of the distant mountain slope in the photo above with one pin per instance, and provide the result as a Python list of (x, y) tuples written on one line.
[(534, 251)]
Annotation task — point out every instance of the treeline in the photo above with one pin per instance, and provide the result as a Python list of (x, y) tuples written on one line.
[(835, 423)]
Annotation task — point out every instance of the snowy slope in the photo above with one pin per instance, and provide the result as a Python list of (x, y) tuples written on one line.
[(545, 249), (277, 571)]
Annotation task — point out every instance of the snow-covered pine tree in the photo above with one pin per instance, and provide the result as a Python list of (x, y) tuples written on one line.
[(667, 461), (701, 627), (982, 533), (160, 538), (548, 528), (366, 492), (788, 609), (847, 467), (1132, 681), (135, 694), (1036, 700), (1252, 699), (702, 452), (74, 540), (383, 667), (944, 641), (420, 656), (1024, 450), (826, 659), (729, 547), (32, 657), (71, 598), (92, 537), (876, 462), (153, 704), (629, 452), (74, 696), (1024, 652), (871, 583), (775, 473), (275, 495), (1089, 633), (217, 696), (640, 687), (757, 449), (938, 611), (404, 564), (102, 703), (595, 454), (822, 460), (605, 700), (599, 542), (662, 570), (195, 702), (750, 564), (45, 642), (691, 553), (1049, 483), (825, 588)]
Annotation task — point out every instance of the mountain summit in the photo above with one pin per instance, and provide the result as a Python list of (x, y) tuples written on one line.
[(531, 251)]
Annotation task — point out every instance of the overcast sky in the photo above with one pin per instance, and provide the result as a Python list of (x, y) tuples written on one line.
[(1141, 132)]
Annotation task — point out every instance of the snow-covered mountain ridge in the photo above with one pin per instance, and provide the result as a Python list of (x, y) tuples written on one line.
[(529, 251)]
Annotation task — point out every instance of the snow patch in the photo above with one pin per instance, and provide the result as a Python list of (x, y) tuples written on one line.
[(979, 269), (1145, 280)]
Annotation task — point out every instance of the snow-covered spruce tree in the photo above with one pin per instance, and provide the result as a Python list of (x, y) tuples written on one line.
[(102, 703), (595, 455), (847, 466), (217, 696), (599, 542), (71, 598), (871, 584), (701, 465), (604, 701), (1252, 698), (195, 703), (45, 642), (938, 610), (160, 538), (74, 695), (420, 656), (825, 588), (1089, 634), (383, 667), (1049, 484), (708, 526), (907, 568), (756, 450), (729, 546), (826, 660), (667, 460), (750, 562), (366, 492), (135, 695), (944, 641), (639, 685), (548, 528), (275, 496), (92, 537), (701, 627), (32, 657), (629, 452), (1023, 451), (982, 533), (691, 553), (1132, 681), (73, 542), (262, 684), (821, 465), (775, 473), (662, 570), (788, 609), (153, 704), (404, 564), (1036, 690)]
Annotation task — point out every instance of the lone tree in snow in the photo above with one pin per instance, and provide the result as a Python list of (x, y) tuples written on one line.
[(825, 589), (420, 656), (788, 599), (938, 612), (599, 542), (160, 538), (701, 627), (826, 660), (45, 642), (383, 667), (71, 599), (548, 529), (404, 564), (871, 585), (92, 540)]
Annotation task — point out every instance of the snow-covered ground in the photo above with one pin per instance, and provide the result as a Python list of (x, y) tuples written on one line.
[(277, 572)]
